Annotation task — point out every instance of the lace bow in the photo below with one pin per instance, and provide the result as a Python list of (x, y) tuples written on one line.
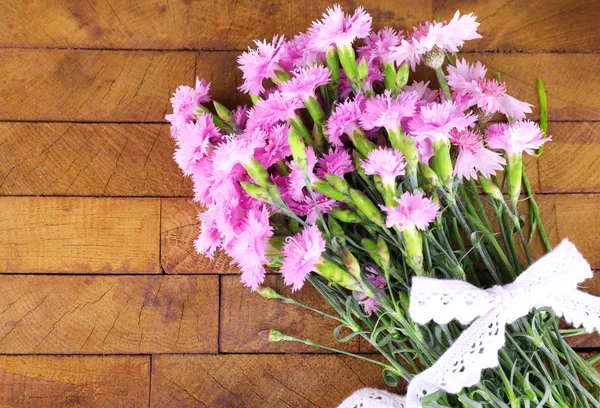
[(552, 281)]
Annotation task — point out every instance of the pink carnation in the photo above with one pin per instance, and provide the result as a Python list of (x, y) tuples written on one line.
[(345, 119), (306, 206), (201, 172), (519, 137), (271, 111), (339, 29), (378, 46), (412, 211), (445, 36), (277, 146), (302, 255), (369, 304), (209, 239), (186, 101), (488, 94), (298, 54), (305, 82), (386, 162), (248, 248), (436, 120), (194, 140), (422, 88), (260, 64), (240, 116), (387, 111), (473, 157), (337, 162), (296, 182)]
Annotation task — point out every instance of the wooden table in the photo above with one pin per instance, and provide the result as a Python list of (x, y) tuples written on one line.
[(103, 301)]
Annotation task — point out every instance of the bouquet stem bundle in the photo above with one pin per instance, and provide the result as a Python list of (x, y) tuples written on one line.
[(345, 175)]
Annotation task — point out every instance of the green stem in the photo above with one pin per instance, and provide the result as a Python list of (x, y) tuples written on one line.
[(443, 83)]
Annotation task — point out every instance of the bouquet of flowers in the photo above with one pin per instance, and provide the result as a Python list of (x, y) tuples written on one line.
[(372, 187)]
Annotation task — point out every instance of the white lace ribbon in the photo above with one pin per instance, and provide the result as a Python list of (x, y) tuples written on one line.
[(552, 282)]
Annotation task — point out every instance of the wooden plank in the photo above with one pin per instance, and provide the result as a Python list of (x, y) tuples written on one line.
[(177, 24), (89, 159), (260, 380), (221, 68), (108, 314), (45, 381), (538, 25), (179, 229), (79, 85), (570, 80), (244, 314), (75, 235), (588, 340), (571, 162), (577, 217), (61, 381)]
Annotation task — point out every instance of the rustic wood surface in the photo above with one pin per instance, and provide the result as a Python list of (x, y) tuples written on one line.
[(103, 299)]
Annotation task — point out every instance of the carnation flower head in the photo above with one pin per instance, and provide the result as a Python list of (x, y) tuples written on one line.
[(201, 173), (209, 239), (413, 211), (305, 82), (345, 119), (386, 162), (518, 137), (277, 146), (378, 46), (387, 111), (488, 94), (369, 304), (234, 152), (339, 29), (296, 182), (194, 140), (436, 120), (432, 35), (422, 88), (249, 247), (240, 116), (473, 157), (337, 162), (186, 101), (260, 64), (302, 254), (269, 112), (298, 54)]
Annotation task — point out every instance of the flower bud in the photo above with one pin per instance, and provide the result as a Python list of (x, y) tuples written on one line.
[(348, 62), (356, 158), (442, 163), (413, 243), (333, 64), (256, 192), (429, 175), (491, 189), (351, 263), (389, 79), (371, 247), (274, 336), (334, 273), (327, 190), (346, 216), (434, 58), (402, 76), (367, 207), (315, 110), (298, 148), (362, 144), (223, 112), (338, 183), (268, 292), (257, 173), (383, 252), (363, 71)]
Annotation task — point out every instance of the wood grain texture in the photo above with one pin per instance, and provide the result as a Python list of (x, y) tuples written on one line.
[(73, 381), (592, 340), (89, 159), (571, 162), (105, 314), (533, 25), (176, 24), (79, 235), (83, 85), (571, 81), (577, 217), (254, 381), (179, 229), (244, 314)]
